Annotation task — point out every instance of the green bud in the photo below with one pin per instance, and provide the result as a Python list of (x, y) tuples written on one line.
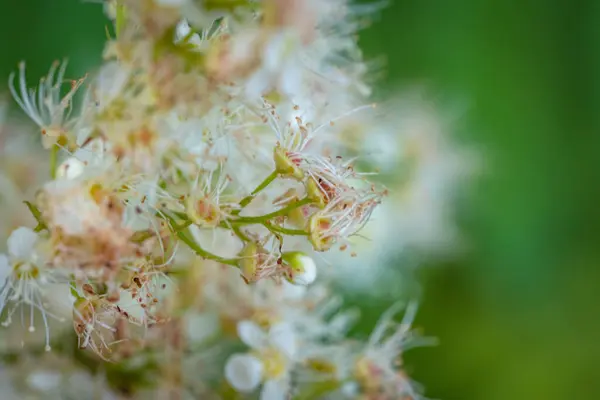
[(248, 262), (303, 268)]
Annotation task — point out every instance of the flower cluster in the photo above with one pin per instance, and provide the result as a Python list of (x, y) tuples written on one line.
[(193, 180)]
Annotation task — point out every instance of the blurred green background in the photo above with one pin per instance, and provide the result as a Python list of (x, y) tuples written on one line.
[(517, 314)]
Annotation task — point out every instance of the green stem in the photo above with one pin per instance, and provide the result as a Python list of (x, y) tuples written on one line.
[(181, 234), (53, 161), (248, 199), (181, 227), (279, 213), (120, 19), (203, 253), (37, 214), (236, 229), (286, 231)]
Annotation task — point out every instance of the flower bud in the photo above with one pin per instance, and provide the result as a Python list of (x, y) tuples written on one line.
[(285, 165), (303, 270), (248, 262)]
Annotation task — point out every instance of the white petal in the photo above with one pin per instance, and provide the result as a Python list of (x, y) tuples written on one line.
[(182, 29), (71, 168), (350, 389), (109, 83), (243, 372), (251, 334), (283, 337), (293, 292), (5, 269), (274, 390), (258, 83), (21, 242), (58, 296), (291, 79), (274, 53), (201, 327), (44, 380)]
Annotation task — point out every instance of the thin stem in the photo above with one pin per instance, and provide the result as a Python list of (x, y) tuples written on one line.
[(53, 161), (279, 213), (248, 199), (203, 253), (181, 227), (286, 231), (236, 229), (141, 236), (37, 214), (120, 19)]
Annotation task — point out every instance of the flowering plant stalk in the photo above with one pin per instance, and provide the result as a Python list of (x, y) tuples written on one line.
[(189, 192)]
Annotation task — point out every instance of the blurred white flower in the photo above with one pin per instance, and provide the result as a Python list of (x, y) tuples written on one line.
[(269, 364)]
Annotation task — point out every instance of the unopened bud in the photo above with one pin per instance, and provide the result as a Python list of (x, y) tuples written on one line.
[(248, 262), (285, 165), (303, 270)]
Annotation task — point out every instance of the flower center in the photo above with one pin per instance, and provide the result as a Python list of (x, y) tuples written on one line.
[(274, 362), (24, 270)]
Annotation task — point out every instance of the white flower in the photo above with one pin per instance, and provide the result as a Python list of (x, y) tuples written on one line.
[(44, 105), (44, 381), (91, 155), (281, 69), (244, 372), (66, 196), (23, 279), (269, 363), (380, 361), (183, 32), (343, 217), (108, 85), (194, 11)]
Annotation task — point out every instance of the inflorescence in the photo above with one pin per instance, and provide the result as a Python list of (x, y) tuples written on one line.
[(199, 176)]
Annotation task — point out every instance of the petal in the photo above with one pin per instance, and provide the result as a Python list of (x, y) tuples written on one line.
[(274, 53), (5, 269), (202, 327), (251, 334), (182, 29), (291, 79), (21, 242), (108, 85), (71, 168), (350, 389), (274, 390), (258, 83), (283, 337), (44, 381), (243, 372), (291, 291)]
